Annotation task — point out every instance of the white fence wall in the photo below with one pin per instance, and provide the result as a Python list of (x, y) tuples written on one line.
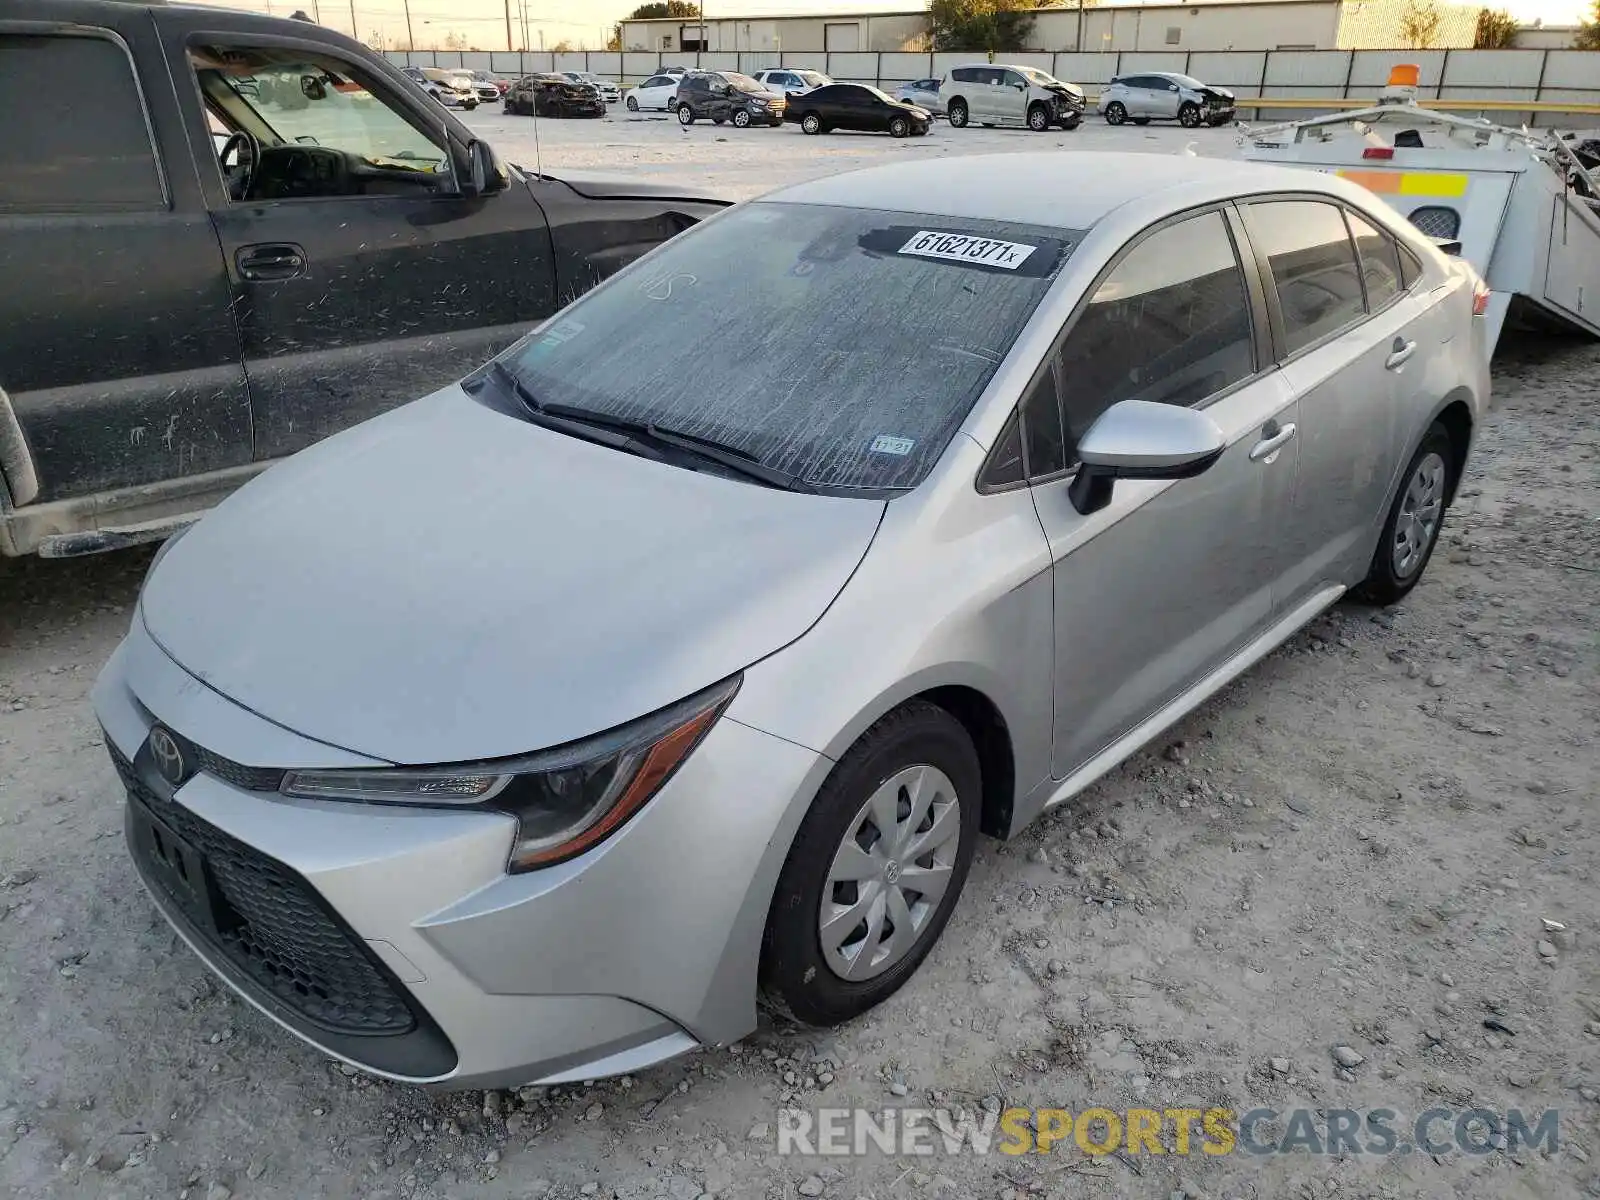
[(1500, 78)]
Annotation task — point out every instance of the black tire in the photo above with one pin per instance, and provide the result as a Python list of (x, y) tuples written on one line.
[(811, 123), (956, 113), (1189, 115), (1116, 113), (741, 120), (899, 127), (1072, 123), (795, 974), (633, 104), (1039, 118), (1386, 581), (685, 115)]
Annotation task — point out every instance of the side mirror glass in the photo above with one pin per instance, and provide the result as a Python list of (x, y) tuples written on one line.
[(312, 87), (1137, 439)]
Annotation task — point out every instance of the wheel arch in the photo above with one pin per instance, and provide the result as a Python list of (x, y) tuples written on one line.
[(1456, 417)]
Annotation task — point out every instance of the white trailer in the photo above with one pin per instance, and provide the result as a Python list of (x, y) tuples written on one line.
[(1522, 205)]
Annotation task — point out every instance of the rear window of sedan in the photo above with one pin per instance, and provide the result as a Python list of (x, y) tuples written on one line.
[(842, 345)]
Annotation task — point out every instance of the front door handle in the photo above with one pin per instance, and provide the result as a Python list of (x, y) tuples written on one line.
[(1403, 350), (1271, 442), (269, 262)]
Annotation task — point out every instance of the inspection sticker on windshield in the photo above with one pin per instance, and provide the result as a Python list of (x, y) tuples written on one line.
[(884, 444), (968, 248)]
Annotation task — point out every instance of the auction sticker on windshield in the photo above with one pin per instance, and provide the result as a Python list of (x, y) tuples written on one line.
[(964, 247)]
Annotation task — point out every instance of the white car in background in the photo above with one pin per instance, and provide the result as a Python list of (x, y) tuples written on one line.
[(609, 91), (656, 94), (791, 80)]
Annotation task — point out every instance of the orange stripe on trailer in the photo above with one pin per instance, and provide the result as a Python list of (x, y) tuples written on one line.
[(1409, 183)]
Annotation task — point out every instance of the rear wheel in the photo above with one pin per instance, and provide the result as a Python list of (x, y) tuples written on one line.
[(1412, 530), (1039, 118), (899, 127), (1116, 114), (1189, 116), (685, 115), (875, 869), (956, 114)]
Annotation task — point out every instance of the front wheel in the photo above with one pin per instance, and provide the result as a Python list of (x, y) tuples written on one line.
[(1189, 116), (899, 127), (875, 869), (811, 123), (633, 104), (741, 120), (956, 114), (1412, 530), (685, 115), (1116, 114), (1039, 119)]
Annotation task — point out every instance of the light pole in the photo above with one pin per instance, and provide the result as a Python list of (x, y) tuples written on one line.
[(411, 38)]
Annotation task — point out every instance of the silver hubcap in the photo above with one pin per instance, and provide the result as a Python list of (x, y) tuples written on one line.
[(890, 873), (1420, 510)]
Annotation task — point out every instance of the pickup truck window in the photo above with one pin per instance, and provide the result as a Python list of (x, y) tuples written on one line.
[(54, 160), (309, 127)]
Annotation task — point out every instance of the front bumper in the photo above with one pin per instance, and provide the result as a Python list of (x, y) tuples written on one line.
[(623, 957)]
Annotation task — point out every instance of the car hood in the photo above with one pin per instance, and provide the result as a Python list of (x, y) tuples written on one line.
[(447, 583), (1067, 89), (1216, 93), (610, 187)]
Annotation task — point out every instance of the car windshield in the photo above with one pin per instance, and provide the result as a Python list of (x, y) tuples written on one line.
[(1037, 76), (743, 82), (1187, 81), (843, 346), (867, 87), (813, 79)]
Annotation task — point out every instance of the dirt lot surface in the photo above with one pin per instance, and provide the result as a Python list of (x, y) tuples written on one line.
[(1347, 857)]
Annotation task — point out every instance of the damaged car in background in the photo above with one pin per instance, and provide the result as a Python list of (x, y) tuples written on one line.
[(547, 95), (181, 311)]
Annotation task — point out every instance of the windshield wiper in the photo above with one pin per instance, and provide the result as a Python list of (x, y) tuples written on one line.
[(741, 462), (549, 416)]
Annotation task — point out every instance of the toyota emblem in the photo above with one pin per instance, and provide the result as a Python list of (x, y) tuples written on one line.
[(168, 756)]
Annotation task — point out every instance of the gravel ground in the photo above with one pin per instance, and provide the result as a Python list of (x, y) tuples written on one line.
[(1347, 857)]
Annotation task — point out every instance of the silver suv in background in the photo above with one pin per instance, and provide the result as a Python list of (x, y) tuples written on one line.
[(1165, 96), (1000, 94), (788, 81)]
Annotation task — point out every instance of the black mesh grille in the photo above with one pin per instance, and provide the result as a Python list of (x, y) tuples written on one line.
[(1437, 221), (251, 779), (272, 925)]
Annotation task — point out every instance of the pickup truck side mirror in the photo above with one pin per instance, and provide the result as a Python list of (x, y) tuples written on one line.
[(484, 176)]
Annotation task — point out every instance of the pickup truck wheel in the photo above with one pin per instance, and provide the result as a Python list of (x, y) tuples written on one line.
[(956, 114), (685, 115), (1116, 114)]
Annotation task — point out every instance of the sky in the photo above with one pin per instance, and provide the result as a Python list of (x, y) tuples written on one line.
[(586, 23)]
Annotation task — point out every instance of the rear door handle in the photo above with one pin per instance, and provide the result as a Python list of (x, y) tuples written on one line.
[(268, 262), (1272, 443), (1403, 350)]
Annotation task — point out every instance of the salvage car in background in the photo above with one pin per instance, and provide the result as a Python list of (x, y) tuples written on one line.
[(856, 106), (1164, 96), (609, 92), (719, 96), (1000, 94), (576, 703), (448, 88), (924, 93), (546, 95), (486, 90), (245, 299)]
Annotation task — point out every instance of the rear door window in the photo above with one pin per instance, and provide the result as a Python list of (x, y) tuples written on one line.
[(1380, 264), (1313, 267), (51, 158)]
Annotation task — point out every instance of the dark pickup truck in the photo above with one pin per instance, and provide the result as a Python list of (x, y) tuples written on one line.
[(225, 236)]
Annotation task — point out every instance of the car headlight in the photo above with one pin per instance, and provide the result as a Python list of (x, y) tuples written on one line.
[(566, 800)]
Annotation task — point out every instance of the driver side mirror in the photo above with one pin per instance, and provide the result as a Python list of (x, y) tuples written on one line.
[(312, 88), (484, 175), (1138, 439)]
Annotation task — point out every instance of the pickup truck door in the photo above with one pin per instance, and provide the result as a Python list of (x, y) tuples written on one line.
[(119, 361), (354, 292)]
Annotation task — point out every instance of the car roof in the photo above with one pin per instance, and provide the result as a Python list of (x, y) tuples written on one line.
[(1071, 190)]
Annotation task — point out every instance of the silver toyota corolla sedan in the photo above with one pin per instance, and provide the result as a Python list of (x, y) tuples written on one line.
[(687, 649)]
